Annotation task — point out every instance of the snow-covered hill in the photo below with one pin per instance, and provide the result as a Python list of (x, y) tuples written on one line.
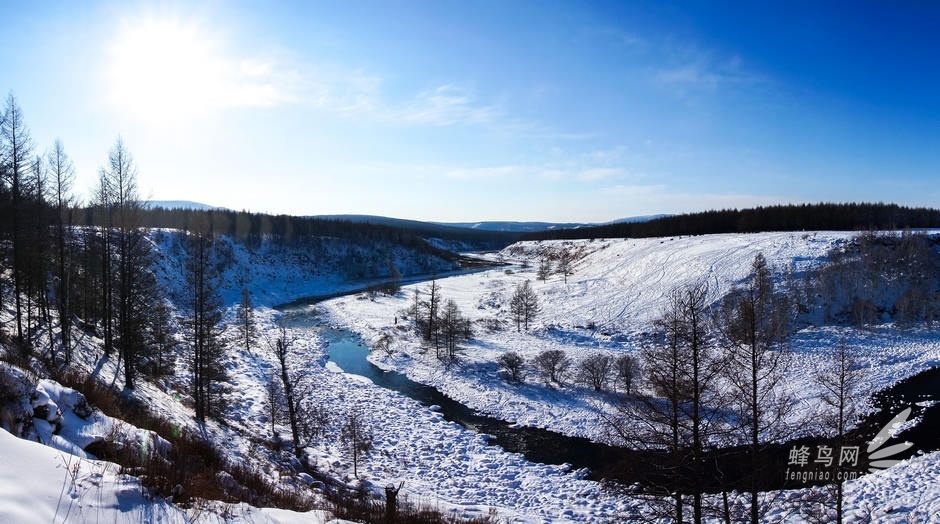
[(617, 288), (276, 273), (60, 482), (181, 204), (535, 227)]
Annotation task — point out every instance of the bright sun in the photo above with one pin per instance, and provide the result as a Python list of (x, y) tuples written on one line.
[(163, 70)]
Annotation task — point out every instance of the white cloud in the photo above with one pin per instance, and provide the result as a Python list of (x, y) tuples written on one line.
[(690, 70), (445, 105), (600, 173), (478, 173), (660, 198), (633, 190)]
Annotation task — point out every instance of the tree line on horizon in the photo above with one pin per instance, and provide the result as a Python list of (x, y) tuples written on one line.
[(252, 228), (793, 217)]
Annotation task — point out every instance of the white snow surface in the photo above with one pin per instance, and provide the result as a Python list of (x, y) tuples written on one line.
[(617, 289), (44, 485), (619, 285)]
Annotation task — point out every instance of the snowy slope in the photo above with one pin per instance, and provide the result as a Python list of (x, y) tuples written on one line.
[(41, 484), (618, 288), (275, 274), (618, 285)]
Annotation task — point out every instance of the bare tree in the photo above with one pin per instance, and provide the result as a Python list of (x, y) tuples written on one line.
[(274, 400), (36, 244), (689, 309), (246, 319), (753, 320), (356, 436), (594, 370), (384, 344), (658, 422), (432, 306), (454, 329), (513, 364), (104, 203), (282, 348), (63, 175), (524, 305), (16, 146), (123, 207), (204, 322), (552, 364), (626, 370), (564, 267), (840, 379), (682, 367), (545, 268)]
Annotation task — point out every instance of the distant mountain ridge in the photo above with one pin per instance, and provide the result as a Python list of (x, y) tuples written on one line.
[(181, 204), (507, 226), (532, 227), (489, 226)]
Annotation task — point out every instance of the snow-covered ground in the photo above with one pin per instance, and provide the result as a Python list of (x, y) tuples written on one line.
[(617, 288), (274, 273), (43, 484), (447, 466)]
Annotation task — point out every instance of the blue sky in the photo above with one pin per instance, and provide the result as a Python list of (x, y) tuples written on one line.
[(564, 111)]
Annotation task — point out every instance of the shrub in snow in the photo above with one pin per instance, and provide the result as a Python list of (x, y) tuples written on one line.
[(384, 344), (627, 371), (229, 485), (513, 365), (594, 370), (552, 364)]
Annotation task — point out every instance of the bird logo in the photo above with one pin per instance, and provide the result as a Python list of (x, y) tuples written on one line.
[(878, 457)]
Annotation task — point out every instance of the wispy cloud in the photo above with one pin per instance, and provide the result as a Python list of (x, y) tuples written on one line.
[(659, 198), (691, 70), (601, 173), (552, 172), (482, 173), (446, 105), (172, 68), (334, 89), (635, 190)]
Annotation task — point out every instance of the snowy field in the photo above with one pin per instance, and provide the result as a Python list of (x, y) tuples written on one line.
[(617, 289)]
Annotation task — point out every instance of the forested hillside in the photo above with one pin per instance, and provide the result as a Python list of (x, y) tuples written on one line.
[(804, 217)]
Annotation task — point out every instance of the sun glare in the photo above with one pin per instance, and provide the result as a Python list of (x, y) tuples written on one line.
[(164, 70)]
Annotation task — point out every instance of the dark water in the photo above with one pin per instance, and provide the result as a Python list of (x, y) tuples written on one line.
[(726, 468)]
